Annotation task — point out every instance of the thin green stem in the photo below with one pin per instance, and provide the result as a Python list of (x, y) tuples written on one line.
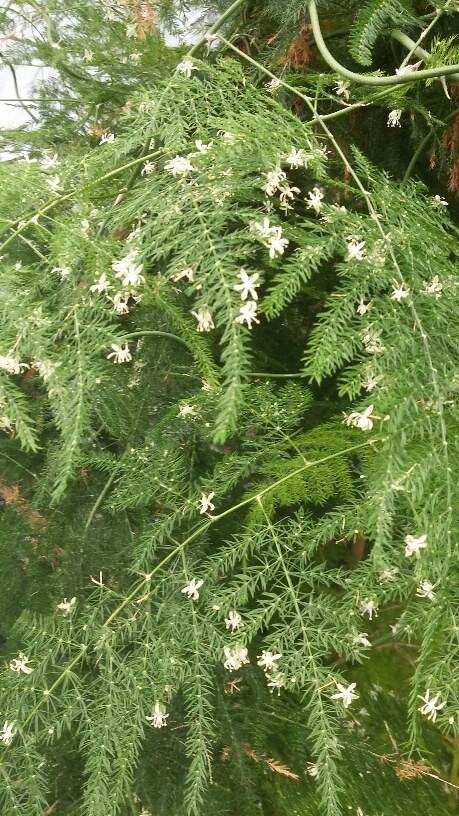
[(216, 26), (363, 79), (100, 499), (422, 36), (151, 333), (423, 144)]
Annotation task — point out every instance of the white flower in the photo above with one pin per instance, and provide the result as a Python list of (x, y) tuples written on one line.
[(205, 503), (341, 88), (274, 180), (187, 410), (102, 285), (120, 355), (204, 318), (433, 287), (439, 202), (11, 366), (414, 545), (393, 120), (191, 589), (136, 57), (430, 707), (425, 590), (287, 194), (368, 607), (119, 301), (107, 138), (347, 695), (202, 147), (248, 285), (127, 269), (48, 162), (276, 680), (233, 621), (66, 606), (297, 158), (276, 244), (186, 67), (54, 183), (355, 250), (248, 314), (315, 199), (371, 383), (267, 660), (312, 770), (361, 639), (389, 575), (360, 420), (158, 720), (363, 308), (372, 342), (19, 664), (184, 273), (399, 292), (7, 733), (147, 169), (271, 236), (88, 56), (235, 657), (273, 85), (131, 30), (179, 166)]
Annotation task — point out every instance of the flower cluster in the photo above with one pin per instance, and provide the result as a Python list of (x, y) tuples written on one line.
[(276, 182), (11, 365), (236, 657), (271, 237)]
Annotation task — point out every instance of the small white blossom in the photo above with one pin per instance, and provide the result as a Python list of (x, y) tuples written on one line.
[(54, 183), (372, 342), (248, 285), (355, 250), (389, 575), (107, 138), (204, 318), (120, 355), (19, 664), (147, 169), (360, 420), (439, 202), (187, 410), (347, 695), (233, 621), (11, 365), (120, 305), (7, 733), (271, 236), (415, 545), (315, 199), (179, 166), (88, 55), (273, 85), (312, 770), (49, 162), (248, 314), (131, 30), (431, 706), (267, 660), (368, 607), (361, 640), (425, 590), (205, 503), (184, 273), (186, 67), (276, 680), (85, 227), (341, 88), (235, 657), (274, 180), (67, 606), (191, 589), (136, 58), (433, 287), (297, 158), (371, 382), (158, 720), (202, 147), (399, 292), (102, 285), (129, 270), (363, 308), (393, 120)]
